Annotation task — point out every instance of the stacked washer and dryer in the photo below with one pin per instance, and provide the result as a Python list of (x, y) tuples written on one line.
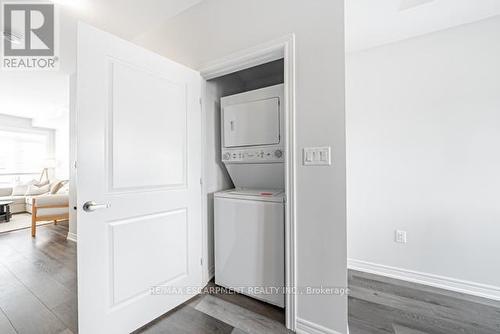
[(249, 220)]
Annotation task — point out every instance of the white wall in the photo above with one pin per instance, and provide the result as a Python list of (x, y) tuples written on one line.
[(62, 150), (216, 28), (423, 136)]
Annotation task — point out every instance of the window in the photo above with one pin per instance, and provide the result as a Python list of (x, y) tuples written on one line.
[(22, 155)]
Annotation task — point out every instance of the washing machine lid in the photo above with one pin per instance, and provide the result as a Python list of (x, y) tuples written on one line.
[(267, 195)]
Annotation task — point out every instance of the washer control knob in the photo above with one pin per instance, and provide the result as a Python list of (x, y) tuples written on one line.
[(278, 153), (226, 156)]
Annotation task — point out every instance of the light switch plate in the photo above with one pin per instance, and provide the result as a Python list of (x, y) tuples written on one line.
[(317, 156)]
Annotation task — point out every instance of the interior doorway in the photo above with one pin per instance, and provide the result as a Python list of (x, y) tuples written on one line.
[(38, 263), (34, 154), (250, 70)]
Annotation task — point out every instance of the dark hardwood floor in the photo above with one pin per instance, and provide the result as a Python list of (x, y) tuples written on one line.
[(38, 295), (215, 312), (38, 281), (381, 305)]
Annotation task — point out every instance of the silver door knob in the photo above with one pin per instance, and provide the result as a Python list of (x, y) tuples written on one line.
[(93, 206)]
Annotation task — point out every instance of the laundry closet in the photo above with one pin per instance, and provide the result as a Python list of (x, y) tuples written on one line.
[(244, 177)]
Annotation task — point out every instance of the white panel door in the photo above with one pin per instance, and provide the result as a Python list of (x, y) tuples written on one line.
[(138, 160)]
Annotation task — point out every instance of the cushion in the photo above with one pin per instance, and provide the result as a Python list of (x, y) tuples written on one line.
[(53, 183), (64, 189), (55, 187), (48, 212), (34, 190), (29, 199), (17, 199), (52, 200), (5, 192), (20, 189), (41, 184)]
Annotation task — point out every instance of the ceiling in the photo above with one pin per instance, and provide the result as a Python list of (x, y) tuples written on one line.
[(126, 18), (371, 23), (44, 96)]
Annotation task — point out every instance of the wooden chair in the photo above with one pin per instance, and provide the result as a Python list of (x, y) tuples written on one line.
[(47, 208)]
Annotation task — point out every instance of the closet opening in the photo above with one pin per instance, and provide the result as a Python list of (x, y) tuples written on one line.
[(245, 188)]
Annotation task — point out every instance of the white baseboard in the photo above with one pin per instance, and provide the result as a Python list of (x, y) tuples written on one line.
[(448, 283), (71, 237), (307, 327)]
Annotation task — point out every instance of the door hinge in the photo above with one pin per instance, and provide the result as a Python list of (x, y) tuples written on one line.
[(201, 261), (74, 164), (201, 181), (201, 101)]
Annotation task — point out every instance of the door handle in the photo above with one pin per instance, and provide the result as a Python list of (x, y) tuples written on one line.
[(93, 206)]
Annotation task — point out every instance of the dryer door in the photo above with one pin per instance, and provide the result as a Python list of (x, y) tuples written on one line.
[(252, 123)]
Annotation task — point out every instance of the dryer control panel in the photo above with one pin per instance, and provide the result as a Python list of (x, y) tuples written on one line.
[(253, 155)]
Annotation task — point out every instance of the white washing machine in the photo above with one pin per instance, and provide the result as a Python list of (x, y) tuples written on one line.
[(250, 243)]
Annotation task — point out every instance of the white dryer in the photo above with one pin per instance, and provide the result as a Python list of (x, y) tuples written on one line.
[(250, 243), (253, 138)]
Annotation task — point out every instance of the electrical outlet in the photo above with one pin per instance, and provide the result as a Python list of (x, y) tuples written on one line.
[(400, 237)]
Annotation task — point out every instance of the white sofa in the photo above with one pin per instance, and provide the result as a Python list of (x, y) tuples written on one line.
[(19, 204), (49, 202), (23, 203)]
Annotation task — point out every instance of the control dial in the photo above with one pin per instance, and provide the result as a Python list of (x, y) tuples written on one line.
[(278, 153), (226, 156)]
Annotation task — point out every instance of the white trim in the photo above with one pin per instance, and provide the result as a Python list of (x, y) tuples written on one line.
[(442, 282), (280, 48), (257, 55), (290, 183), (211, 272), (206, 274), (307, 327), (72, 237)]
